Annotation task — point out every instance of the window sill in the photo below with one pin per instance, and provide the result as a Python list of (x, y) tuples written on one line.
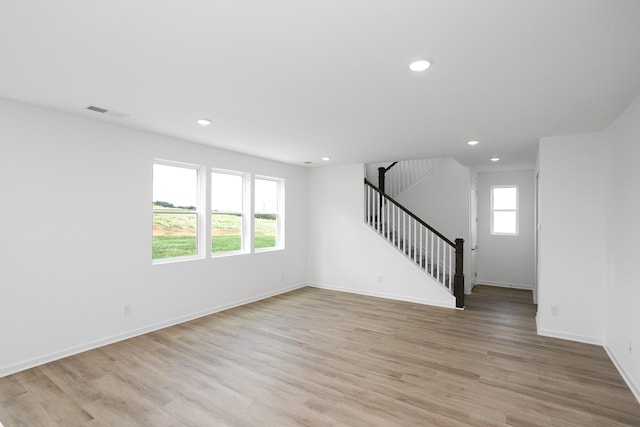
[(174, 260), (278, 248), (227, 254)]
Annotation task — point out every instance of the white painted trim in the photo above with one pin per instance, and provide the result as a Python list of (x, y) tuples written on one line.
[(565, 336), (517, 211), (41, 360), (384, 295), (504, 285), (635, 389)]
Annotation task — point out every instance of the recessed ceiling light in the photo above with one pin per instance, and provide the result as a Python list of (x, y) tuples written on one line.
[(326, 159), (308, 163), (420, 65), (204, 122), (472, 142), (495, 159)]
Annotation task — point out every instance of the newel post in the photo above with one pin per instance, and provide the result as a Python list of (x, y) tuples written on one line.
[(381, 172), (458, 279)]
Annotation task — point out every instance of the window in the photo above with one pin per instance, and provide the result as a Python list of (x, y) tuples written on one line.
[(227, 212), (504, 210), (176, 218), (181, 219), (268, 193)]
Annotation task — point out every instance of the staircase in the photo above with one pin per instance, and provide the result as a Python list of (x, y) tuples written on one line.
[(432, 252)]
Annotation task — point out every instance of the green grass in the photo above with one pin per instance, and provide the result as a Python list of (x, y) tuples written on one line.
[(265, 242), (174, 235), (226, 243), (173, 246), (265, 231), (232, 243)]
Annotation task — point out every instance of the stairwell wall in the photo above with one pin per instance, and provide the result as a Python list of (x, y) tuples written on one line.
[(441, 199), (346, 254)]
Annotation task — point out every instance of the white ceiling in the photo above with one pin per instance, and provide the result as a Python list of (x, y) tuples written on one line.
[(295, 80)]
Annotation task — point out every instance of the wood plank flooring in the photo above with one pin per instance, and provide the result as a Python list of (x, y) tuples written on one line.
[(316, 357)]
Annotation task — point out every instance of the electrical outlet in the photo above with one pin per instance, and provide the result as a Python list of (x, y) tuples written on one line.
[(555, 311), (126, 310), (379, 278), (630, 348)]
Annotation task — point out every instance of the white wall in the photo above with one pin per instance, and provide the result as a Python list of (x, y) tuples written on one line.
[(441, 199), (589, 213), (623, 291), (76, 237), (506, 260), (346, 254), (573, 173)]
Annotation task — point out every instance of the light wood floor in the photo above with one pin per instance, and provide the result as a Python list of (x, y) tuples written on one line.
[(316, 357)]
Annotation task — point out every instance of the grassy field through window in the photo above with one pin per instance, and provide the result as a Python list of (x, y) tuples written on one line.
[(174, 235), (226, 232), (265, 231)]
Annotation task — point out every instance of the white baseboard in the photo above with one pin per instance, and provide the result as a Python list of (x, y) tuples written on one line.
[(635, 389), (505, 285), (385, 295), (571, 337), (41, 360)]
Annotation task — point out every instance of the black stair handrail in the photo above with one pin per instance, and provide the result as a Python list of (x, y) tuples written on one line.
[(408, 212)]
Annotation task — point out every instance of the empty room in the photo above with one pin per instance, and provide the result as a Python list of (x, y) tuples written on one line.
[(282, 213)]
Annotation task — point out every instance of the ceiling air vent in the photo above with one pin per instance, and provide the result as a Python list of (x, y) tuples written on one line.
[(96, 109), (111, 113)]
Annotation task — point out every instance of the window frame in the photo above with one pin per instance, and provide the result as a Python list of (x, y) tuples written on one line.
[(245, 246), (201, 223), (204, 212), (516, 210), (280, 232)]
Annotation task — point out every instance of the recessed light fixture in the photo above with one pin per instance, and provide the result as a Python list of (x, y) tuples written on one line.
[(308, 163), (420, 65), (204, 122), (472, 142), (495, 159), (326, 159)]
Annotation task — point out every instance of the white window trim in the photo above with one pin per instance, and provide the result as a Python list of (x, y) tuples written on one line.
[(279, 216), (201, 221), (204, 212), (516, 210), (247, 225)]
